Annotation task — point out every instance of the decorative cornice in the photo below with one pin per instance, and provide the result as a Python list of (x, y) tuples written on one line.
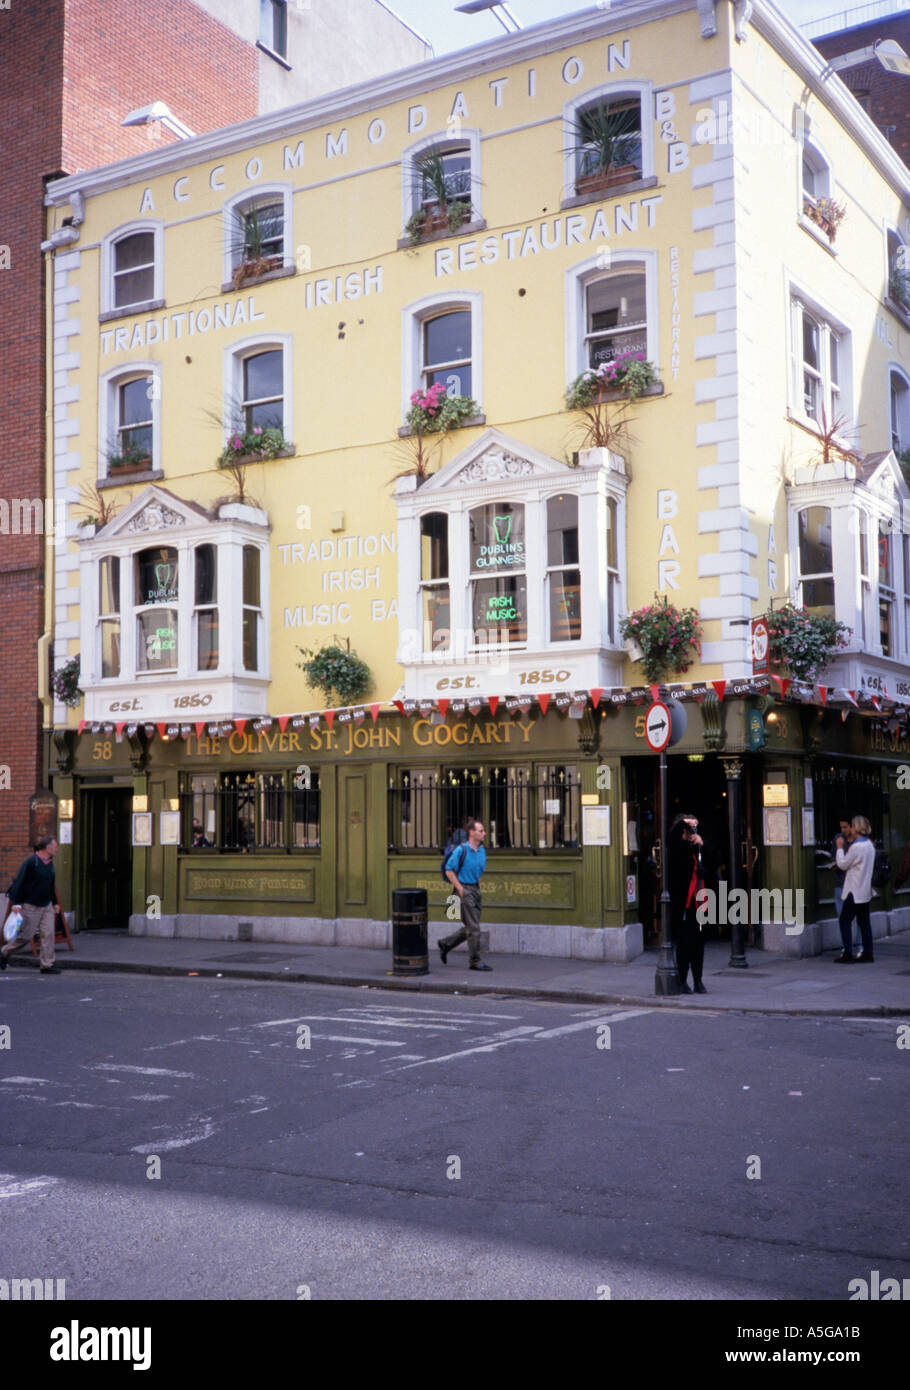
[(155, 517)]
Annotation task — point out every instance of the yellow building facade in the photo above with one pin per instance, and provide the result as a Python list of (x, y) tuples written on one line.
[(286, 286)]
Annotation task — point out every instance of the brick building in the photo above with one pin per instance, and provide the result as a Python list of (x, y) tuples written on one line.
[(71, 71), (848, 39)]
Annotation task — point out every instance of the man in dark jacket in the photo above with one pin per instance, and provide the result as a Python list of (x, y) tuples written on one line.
[(34, 895), (686, 875)]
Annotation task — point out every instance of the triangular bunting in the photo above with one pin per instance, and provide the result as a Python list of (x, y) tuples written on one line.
[(283, 720), (719, 688), (655, 692), (399, 705), (119, 728), (843, 715), (82, 724), (162, 730), (330, 717), (240, 725), (543, 701), (443, 706), (493, 702), (374, 711), (851, 696), (596, 692), (823, 692), (784, 683)]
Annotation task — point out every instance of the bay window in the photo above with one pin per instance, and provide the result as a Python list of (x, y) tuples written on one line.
[(899, 392), (499, 586), (563, 574), (816, 561), (170, 593), (109, 615), (252, 610), (206, 608), (512, 569), (434, 581), (886, 594)]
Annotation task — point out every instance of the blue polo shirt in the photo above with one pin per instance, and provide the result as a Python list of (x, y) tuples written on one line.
[(475, 861)]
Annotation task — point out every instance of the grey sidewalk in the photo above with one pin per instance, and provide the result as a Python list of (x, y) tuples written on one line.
[(771, 984)]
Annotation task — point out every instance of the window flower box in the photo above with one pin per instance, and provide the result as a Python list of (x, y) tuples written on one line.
[(600, 180), (252, 446), (435, 218), (825, 213)]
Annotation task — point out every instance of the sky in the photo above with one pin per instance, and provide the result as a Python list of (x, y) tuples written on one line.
[(438, 21)]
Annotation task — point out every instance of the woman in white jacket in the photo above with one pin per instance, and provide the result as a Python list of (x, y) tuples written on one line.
[(858, 861)]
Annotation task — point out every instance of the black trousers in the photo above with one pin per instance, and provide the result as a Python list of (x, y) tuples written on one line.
[(690, 944)]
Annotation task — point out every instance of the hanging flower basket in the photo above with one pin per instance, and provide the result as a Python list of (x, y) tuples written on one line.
[(803, 643), (65, 683), (335, 671), (668, 639)]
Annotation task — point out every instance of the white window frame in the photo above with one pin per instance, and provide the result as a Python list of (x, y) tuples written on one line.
[(579, 277), (429, 586), (413, 318), (108, 416), (199, 608), (108, 618), (441, 141), (803, 577), (812, 149), (270, 47), (234, 208), (551, 571), (903, 410), (232, 378), (887, 593), (639, 89), (108, 242), (800, 302)]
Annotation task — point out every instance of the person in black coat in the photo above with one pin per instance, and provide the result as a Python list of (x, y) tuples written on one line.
[(686, 878)]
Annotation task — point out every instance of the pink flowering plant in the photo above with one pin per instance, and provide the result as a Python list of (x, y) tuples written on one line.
[(257, 443), (435, 412), (629, 372), (669, 638), (802, 641), (65, 683)]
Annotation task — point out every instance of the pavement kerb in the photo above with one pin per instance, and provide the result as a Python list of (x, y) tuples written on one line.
[(421, 985)]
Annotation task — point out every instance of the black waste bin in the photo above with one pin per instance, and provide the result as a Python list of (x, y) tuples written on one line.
[(409, 932)]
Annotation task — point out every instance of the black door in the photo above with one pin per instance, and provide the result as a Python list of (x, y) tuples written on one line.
[(107, 881)]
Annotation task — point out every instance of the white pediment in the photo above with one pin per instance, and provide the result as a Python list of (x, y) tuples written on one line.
[(155, 510), (493, 458), (888, 479)]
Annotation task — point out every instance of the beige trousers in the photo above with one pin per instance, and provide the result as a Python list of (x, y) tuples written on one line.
[(35, 919)]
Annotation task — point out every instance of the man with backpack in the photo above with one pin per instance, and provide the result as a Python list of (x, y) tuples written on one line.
[(463, 868)]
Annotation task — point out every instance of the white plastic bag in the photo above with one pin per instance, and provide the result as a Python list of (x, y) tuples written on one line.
[(12, 926)]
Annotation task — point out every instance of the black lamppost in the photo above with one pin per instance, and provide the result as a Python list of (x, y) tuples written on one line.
[(666, 977), (733, 767)]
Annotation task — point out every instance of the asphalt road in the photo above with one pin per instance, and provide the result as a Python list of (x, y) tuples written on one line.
[(428, 1148)]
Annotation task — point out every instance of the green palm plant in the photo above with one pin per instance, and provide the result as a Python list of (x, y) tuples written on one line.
[(257, 234), (432, 184), (607, 138)]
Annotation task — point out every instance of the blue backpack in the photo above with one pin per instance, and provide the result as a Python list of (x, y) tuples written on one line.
[(453, 844)]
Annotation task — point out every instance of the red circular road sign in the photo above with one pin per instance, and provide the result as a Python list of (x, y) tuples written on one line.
[(658, 727)]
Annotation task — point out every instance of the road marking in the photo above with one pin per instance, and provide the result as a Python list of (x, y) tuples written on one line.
[(366, 1042), (498, 1040), (591, 1023), (179, 1142), (140, 1071), (11, 1186), (372, 1022)]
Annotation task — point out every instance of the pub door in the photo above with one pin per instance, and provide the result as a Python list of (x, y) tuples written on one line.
[(352, 886), (107, 869)]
